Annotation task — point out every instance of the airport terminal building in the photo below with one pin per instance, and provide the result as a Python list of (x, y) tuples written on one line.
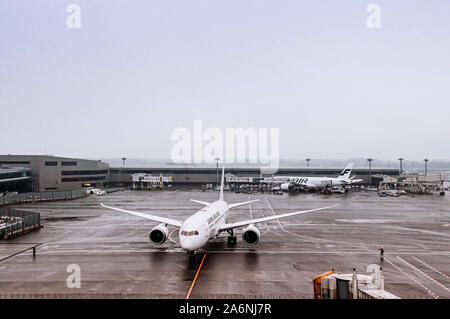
[(49, 173), (200, 175)]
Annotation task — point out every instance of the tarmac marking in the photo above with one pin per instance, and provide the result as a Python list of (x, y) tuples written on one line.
[(262, 212), (312, 239), (424, 274), (267, 225), (251, 213), (196, 275), (278, 221), (234, 250), (22, 251), (432, 294), (432, 268)]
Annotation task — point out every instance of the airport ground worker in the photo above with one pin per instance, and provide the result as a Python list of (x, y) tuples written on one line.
[(381, 253)]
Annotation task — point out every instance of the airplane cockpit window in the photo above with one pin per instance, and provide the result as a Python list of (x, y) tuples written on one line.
[(191, 233)]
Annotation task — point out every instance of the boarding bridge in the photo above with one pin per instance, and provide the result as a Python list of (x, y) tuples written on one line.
[(148, 181), (416, 184)]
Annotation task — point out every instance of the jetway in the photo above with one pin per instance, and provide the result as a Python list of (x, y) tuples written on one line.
[(253, 184), (415, 184), (148, 181)]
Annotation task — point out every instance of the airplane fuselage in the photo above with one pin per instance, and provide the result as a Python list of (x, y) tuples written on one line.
[(315, 182), (319, 182), (203, 225)]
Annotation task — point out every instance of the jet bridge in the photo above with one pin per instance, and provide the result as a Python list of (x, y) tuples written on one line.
[(149, 181), (415, 184)]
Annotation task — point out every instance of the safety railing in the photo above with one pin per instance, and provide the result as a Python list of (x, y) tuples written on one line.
[(16, 221), (41, 196)]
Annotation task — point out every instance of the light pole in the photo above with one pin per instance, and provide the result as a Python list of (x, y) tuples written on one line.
[(217, 171), (426, 162), (123, 166), (307, 162), (370, 171), (401, 166)]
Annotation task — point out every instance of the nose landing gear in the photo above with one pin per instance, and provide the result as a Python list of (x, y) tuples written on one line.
[(191, 257), (231, 240)]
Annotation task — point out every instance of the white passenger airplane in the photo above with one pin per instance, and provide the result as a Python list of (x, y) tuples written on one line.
[(320, 182), (208, 223)]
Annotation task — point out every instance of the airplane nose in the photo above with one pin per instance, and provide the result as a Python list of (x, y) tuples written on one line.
[(187, 244)]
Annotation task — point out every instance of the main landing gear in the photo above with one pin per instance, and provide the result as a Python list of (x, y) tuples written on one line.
[(231, 240)]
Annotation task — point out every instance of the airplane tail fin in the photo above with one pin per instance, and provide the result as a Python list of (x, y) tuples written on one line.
[(221, 185), (345, 174)]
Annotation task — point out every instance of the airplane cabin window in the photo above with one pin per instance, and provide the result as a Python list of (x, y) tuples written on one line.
[(196, 233)]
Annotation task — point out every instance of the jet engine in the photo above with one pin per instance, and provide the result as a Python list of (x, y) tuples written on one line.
[(159, 234), (285, 186), (251, 235)]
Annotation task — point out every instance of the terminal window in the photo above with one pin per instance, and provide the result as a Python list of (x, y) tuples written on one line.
[(92, 172), (69, 163), (15, 162), (51, 163), (83, 179)]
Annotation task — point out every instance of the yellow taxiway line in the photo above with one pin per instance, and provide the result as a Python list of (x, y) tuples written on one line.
[(196, 275)]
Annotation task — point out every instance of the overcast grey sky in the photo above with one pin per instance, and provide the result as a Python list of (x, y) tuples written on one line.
[(136, 70)]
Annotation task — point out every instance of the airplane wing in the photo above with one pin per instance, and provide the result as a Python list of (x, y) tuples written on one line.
[(200, 202), (230, 206), (269, 218), (169, 221)]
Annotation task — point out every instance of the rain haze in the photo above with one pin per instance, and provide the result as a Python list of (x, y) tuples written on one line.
[(136, 70), (210, 149)]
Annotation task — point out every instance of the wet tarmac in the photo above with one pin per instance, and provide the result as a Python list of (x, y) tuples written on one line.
[(116, 258)]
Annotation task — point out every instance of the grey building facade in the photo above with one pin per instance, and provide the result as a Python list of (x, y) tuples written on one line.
[(51, 173), (200, 175)]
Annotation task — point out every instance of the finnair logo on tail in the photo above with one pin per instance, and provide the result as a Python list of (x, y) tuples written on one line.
[(345, 171), (235, 145)]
